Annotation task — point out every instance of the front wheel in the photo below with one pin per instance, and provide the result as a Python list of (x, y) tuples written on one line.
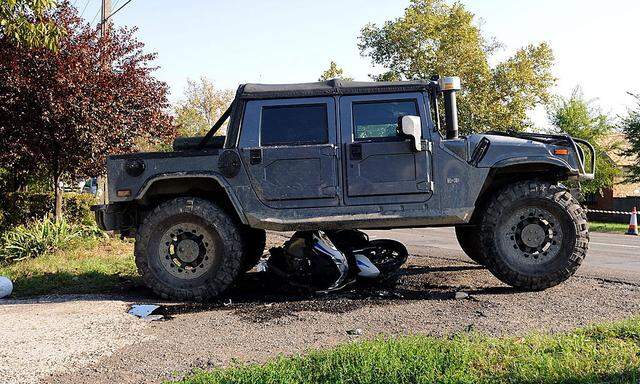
[(534, 235)]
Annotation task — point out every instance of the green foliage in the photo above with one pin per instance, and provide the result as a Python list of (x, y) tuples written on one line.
[(19, 208), (434, 37), (578, 117), (25, 22), (334, 72), (595, 226), (86, 265), (77, 208), (604, 353), (201, 108), (631, 127), (40, 237)]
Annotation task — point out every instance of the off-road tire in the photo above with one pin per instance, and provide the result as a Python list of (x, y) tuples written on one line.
[(561, 215), (469, 240), (253, 243), (225, 249)]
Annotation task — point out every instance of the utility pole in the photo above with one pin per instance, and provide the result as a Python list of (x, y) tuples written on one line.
[(106, 12), (105, 23)]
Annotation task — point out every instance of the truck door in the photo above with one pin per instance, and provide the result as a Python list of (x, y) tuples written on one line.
[(381, 164), (289, 148)]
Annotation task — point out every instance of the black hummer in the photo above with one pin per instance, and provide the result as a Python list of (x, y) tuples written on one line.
[(335, 155)]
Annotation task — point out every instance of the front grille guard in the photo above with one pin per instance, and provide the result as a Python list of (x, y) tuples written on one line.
[(581, 159)]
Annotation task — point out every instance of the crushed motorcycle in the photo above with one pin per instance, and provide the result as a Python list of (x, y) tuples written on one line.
[(324, 261)]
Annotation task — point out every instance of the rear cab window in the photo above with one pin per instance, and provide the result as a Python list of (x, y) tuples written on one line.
[(294, 125)]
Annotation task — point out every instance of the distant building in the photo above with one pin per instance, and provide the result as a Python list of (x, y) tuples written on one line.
[(620, 188), (622, 196)]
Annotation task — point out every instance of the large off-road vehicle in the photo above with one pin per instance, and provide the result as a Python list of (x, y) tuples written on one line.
[(346, 155)]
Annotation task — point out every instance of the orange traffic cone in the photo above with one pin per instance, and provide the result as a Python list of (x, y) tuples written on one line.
[(633, 223)]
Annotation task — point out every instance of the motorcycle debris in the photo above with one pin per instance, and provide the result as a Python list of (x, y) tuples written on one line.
[(146, 312)]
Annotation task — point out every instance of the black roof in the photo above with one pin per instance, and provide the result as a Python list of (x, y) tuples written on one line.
[(329, 88)]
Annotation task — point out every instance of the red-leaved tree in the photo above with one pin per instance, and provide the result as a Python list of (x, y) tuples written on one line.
[(62, 112)]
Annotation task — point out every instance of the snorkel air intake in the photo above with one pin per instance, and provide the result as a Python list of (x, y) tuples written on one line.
[(449, 86)]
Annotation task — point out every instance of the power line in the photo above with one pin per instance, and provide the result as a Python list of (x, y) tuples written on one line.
[(85, 7), (96, 15), (116, 11)]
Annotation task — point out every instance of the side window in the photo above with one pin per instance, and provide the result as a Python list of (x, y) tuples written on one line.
[(294, 125), (379, 120)]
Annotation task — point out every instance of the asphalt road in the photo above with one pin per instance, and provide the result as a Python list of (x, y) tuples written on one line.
[(610, 256)]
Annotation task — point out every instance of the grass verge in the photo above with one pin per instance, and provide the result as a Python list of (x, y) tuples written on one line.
[(597, 226), (88, 265), (607, 353)]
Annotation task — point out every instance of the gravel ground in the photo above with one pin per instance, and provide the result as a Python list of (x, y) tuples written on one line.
[(49, 335), (97, 342)]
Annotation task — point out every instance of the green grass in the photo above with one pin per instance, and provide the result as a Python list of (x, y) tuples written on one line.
[(606, 353), (87, 266), (596, 226)]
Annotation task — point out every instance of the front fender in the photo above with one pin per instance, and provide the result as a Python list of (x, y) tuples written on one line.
[(521, 149), (536, 160)]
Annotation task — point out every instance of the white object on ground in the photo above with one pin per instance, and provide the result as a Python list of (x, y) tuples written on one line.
[(462, 295), (145, 311), (6, 287)]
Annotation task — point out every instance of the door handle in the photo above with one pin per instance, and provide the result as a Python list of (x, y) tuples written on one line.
[(255, 156), (355, 151)]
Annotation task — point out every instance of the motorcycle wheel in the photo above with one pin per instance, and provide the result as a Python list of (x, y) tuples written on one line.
[(387, 255)]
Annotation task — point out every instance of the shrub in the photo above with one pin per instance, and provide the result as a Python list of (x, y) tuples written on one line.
[(77, 208), (40, 237), (20, 208)]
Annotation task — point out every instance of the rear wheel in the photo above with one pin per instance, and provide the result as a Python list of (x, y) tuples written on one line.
[(188, 249), (469, 240), (534, 235)]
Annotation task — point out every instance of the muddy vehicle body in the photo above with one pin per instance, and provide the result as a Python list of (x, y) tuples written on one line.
[(345, 155)]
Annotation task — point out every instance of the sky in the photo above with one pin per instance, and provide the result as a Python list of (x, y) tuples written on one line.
[(285, 41)]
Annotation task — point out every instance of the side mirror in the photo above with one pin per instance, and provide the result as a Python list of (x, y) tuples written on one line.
[(411, 126)]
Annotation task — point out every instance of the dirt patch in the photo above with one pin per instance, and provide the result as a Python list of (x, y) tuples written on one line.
[(256, 323)]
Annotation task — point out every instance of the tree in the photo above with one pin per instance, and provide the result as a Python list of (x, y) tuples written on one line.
[(25, 22), (580, 118), (631, 128), (62, 112), (202, 107), (434, 37), (333, 72)]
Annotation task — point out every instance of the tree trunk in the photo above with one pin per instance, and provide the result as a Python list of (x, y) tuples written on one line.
[(58, 197)]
